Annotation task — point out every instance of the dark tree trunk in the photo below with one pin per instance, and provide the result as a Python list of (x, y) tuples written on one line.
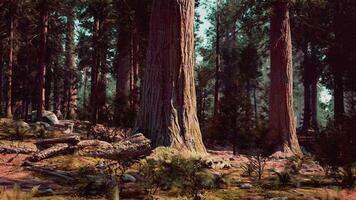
[(1, 75), (339, 105), (70, 50), (95, 72), (168, 105), (310, 79), (124, 64), (42, 61), (11, 59), (48, 87), (282, 130)]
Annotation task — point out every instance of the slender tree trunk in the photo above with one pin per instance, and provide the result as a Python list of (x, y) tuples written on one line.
[(168, 107), (217, 64), (135, 65), (72, 88), (282, 130), (11, 60), (338, 63), (48, 87), (42, 61), (85, 86), (310, 79), (1, 76), (56, 90), (339, 105), (95, 72), (124, 66)]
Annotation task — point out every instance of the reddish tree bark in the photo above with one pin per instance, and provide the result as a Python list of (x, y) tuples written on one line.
[(168, 105), (282, 134), (42, 60)]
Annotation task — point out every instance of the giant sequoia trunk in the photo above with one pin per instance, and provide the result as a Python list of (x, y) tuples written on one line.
[(70, 54), (282, 134), (42, 61), (168, 110)]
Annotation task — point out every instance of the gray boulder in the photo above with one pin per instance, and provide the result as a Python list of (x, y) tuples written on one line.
[(246, 186), (127, 178), (47, 117)]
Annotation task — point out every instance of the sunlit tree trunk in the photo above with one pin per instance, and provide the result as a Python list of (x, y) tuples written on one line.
[(282, 130), (70, 54), (42, 60), (168, 106)]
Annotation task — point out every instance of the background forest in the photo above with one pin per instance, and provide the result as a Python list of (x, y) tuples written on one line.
[(269, 75)]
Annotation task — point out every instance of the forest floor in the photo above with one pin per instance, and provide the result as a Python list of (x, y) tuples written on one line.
[(312, 180)]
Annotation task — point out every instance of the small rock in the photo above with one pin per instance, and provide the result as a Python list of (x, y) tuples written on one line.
[(127, 178), (246, 186), (49, 191), (279, 198), (199, 197)]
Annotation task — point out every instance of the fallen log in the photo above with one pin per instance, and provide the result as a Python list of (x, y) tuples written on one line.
[(73, 140), (58, 149), (93, 143), (133, 147), (7, 149), (69, 176)]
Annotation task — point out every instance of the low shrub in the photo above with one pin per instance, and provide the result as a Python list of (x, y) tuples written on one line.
[(168, 168)]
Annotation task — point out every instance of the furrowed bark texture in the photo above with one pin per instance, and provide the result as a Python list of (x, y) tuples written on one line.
[(282, 134), (168, 107)]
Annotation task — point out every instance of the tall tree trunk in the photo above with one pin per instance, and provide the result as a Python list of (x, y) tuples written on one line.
[(1, 75), (48, 87), (339, 105), (95, 72), (282, 130), (11, 60), (70, 48), (135, 64), (42, 60), (168, 106), (56, 90), (310, 79), (338, 62), (124, 67), (85, 86), (217, 62)]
